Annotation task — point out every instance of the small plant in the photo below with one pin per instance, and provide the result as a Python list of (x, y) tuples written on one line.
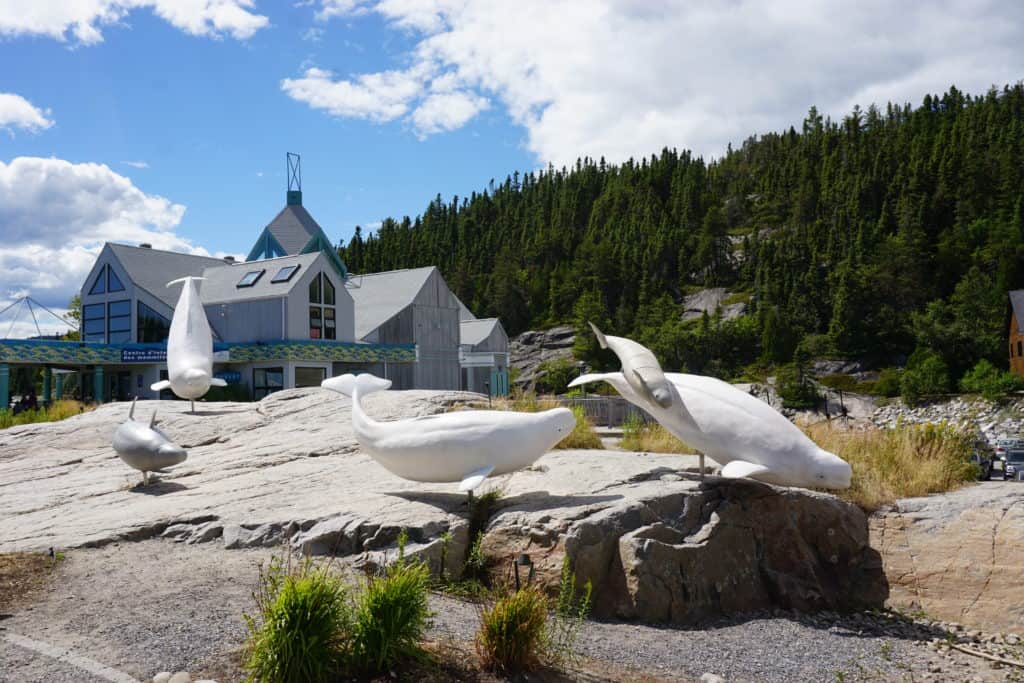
[(304, 630), (392, 615), (571, 610), (992, 383), (512, 631), (56, 411)]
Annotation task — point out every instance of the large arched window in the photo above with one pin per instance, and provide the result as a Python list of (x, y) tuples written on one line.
[(322, 321)]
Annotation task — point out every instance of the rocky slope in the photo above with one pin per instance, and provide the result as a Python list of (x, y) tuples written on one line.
[(531, 348)]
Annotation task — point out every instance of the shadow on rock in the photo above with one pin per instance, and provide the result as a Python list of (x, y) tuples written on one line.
[(158, 488), (457, 503)]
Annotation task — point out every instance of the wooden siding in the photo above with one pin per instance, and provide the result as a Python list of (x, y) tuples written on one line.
[(1016, 347)]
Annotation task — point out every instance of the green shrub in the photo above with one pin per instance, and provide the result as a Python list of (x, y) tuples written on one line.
[(992, 383), (56, 411), (511, 633), (304, 628), (926, 374), (554, 375), (392, 616), (794, 389), (888, 382)]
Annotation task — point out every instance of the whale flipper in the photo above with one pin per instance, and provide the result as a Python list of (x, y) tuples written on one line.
[(160, 386), (738, 469), (475, 478), (593, 377), (217, 382), (346, 384)]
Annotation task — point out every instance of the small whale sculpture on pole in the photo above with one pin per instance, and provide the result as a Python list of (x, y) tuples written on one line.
[(745, 435), (466, 446), (189, 347), (145, 447)]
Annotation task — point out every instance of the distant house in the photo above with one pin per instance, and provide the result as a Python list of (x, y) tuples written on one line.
[(1017, 332), (483, 353)]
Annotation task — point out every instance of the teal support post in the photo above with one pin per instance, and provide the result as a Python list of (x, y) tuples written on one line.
[(97, 383), (60, 385), (47, 386), (5, 386)]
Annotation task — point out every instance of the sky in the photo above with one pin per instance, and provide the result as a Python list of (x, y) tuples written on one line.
[(167, 121)]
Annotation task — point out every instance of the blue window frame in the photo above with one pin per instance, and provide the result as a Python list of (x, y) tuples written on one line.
[(100, 286), (113, 282), (119, 322), (93, 323), (250, 278), (151, 326)]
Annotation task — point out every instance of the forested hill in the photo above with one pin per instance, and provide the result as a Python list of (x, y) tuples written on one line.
[(868, 237)]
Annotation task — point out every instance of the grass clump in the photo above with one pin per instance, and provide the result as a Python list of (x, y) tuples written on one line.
[(512, 630), (907, 461), (306, 627), (56, 411), (522, 629), (311, 626), (582, 434), (641, 436), (392, 614)]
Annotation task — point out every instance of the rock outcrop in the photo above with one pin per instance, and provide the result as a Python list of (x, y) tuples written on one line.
[(708, 300), (989, 419), (958, 556), (658, 544), (533, 347)]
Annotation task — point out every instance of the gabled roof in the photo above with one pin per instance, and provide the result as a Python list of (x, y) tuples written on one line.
[(1017, 301), (293, 228), (152, 269), (464, 312), (221, 283), (381, 296), (473, 332)]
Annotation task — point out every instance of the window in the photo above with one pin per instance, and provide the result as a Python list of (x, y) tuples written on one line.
[(321, 318), (113, 282), (1020, 351), (309, 377), (285, 274), (93, 323), (266, 381), (250, 278), (315, 323), (151, 326), (100, 286), (119, 322)]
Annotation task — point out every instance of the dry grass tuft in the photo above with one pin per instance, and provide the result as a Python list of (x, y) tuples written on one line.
[(21, 574), (908, 461), (58, 410), (651, 438), (582, 435)]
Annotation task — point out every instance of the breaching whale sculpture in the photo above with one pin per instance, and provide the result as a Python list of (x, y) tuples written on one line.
[(466, 446), (745, 435), (145, 447), (189, 347)]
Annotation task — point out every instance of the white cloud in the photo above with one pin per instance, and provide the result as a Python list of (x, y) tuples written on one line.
[(136, 164), (382, 96), (446, 111), (83, 19), (55, 216), (17, 112), (623, 78)]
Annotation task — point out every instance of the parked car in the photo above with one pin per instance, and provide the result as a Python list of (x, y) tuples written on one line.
[(1014, 463)]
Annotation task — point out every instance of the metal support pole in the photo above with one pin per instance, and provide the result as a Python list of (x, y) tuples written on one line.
[(47, 386), (60, 385), (5, 386), (97, 384)]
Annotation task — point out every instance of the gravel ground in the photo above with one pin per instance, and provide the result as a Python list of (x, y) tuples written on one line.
[(153, 606)]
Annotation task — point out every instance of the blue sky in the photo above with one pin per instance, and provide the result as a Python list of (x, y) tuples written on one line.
[(167, 121)]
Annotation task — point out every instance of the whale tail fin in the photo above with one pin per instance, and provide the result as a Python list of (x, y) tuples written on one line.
[(185, 279), (348, 383), (599, 334)]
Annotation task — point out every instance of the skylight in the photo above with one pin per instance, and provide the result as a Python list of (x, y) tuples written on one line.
[(285, 274), (250, 278)]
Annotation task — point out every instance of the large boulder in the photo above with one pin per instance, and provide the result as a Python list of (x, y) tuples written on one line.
[(708, 301), (957, 556), (528, 350)]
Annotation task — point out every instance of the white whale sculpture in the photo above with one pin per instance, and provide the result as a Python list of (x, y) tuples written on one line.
[(145, 447), (466, 446), (640, 368), (745, 435), (189, 347)]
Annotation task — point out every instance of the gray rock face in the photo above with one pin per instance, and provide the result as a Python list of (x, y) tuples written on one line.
[(707, 301), (657, 544), (529, 349)]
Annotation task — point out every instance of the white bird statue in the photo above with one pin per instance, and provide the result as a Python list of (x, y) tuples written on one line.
[(189, 347), (745, 435), (466, 446), (145, 447)]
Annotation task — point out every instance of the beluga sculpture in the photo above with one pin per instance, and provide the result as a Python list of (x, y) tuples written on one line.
[(465, 447), (189, 347), (745, 435), (145, 447)]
